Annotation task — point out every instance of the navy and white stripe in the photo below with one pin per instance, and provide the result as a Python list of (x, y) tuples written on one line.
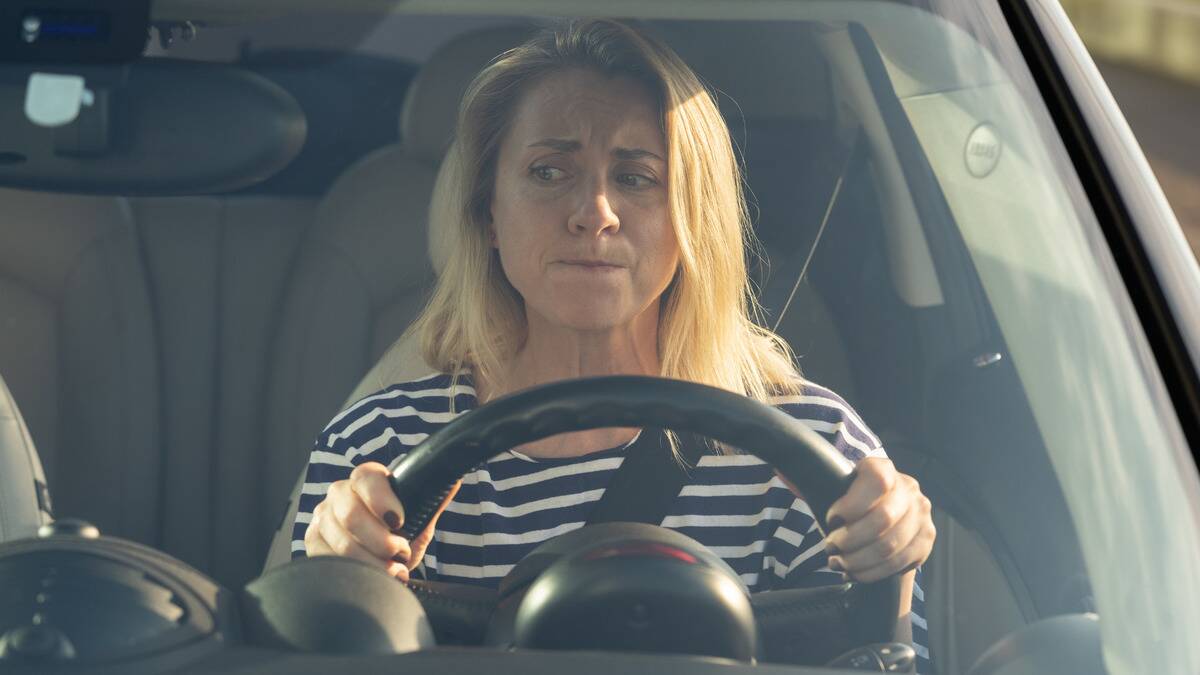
[(734, 504)]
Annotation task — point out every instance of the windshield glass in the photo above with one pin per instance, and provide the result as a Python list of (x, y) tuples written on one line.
[(199, 268)]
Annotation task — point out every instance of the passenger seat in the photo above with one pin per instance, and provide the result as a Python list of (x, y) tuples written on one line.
[(24, 499), (78, 350)]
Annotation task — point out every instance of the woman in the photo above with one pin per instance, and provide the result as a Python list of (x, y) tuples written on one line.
[(599, 229)]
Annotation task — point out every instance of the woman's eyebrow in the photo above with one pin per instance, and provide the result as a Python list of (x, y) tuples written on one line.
[(634, 153), (567, 145), (559, 144)]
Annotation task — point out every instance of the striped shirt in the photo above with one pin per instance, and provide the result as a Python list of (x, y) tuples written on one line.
[(734, 504)]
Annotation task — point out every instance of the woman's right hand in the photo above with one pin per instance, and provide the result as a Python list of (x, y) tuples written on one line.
[(360, 517)]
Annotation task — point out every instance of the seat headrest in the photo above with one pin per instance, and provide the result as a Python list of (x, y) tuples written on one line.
[(374, 219), (378, 206), (54, 231), (431, 105)]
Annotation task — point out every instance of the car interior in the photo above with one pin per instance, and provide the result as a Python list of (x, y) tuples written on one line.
[(175, 337)]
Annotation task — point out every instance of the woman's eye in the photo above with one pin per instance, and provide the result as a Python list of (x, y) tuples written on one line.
[(635, 180), (547, 173)]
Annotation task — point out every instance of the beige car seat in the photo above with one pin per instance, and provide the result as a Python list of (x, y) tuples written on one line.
[(24, 499), (365, 271), (78, 350)]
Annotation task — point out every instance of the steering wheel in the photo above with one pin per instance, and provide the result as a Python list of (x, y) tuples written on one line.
[(423, 477)]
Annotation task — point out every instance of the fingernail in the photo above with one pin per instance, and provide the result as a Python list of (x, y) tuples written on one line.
[(392, 520), (836, 565), (836, 522)]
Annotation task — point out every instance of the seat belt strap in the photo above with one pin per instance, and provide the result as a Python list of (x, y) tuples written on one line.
[(649, 479), (781, 290)]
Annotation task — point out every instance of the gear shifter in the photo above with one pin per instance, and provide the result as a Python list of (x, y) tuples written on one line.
[(882, 657)]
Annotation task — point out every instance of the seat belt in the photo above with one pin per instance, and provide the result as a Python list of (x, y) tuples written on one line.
[(649, 479), (778, 298)]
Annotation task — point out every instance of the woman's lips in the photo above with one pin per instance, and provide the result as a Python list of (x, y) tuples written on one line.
[(597, 265)]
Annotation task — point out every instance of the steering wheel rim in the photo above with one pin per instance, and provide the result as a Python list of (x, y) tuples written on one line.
[(423, 477)]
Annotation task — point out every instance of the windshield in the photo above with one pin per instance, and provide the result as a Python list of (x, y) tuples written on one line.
[(199, 268)]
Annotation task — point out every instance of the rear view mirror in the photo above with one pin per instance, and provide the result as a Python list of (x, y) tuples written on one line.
[(152, 127)]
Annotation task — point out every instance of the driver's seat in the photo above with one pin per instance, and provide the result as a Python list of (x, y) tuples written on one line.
[(402, 362), (24, 498), (384, 235)]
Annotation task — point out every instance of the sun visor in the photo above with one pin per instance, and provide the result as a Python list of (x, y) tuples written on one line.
[(153, 127)]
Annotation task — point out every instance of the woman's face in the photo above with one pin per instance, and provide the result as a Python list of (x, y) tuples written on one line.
[(579, 212)]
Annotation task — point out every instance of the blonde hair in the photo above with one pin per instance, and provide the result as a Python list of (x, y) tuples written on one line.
[(707, 333)]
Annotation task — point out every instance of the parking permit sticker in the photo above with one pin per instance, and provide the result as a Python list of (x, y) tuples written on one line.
[(55, 100), (983, 150)]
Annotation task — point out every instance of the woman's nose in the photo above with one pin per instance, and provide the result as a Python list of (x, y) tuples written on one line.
[(595, 212)]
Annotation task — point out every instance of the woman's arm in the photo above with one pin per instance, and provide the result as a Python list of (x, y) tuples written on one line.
[(880, 527)]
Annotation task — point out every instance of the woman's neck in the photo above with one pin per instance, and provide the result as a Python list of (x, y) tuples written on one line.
[(547, 357), (551, 353)]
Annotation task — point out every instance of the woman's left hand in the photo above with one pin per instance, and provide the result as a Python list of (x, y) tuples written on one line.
[(881, 526)]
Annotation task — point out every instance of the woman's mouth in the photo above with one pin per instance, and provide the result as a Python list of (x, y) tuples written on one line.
[(595, 265)]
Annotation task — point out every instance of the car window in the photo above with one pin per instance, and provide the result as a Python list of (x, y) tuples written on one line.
[(1070, 330), (924, 245)]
